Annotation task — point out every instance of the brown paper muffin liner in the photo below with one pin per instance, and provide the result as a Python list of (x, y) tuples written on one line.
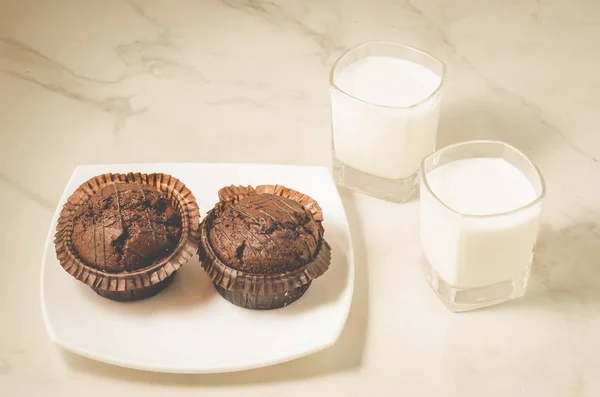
[(228, 281), (262, 302), (141, 283)]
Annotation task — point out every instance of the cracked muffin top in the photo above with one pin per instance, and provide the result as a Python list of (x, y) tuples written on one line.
[(265, 234), (125, 227)]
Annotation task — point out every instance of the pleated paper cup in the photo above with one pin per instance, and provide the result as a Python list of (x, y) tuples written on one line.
[(142, 283), (261, 291)]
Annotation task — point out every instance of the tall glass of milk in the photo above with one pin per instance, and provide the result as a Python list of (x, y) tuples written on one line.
[(385, 106), (480, 213)]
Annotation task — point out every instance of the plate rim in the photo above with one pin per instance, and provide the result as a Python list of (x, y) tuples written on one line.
[(107, 359)]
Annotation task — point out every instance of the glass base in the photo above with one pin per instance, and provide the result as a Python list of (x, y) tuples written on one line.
[(395, 190), (464, 299)]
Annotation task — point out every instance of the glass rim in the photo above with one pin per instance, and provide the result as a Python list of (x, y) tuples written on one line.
[(532, 203), (392, 44)]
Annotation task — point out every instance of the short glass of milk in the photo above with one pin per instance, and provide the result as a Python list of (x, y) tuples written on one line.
[(385, 106), (480, 213)]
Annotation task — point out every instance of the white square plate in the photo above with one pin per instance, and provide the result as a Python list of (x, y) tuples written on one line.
[(189, 328)]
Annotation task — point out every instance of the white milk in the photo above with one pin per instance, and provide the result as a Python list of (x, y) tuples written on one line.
[(385, 142), (471, 252)]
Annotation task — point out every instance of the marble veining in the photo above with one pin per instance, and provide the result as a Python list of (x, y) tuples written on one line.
[(124, 81)]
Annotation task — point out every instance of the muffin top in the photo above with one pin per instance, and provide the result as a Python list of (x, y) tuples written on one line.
[(125, 227), (265, 234)]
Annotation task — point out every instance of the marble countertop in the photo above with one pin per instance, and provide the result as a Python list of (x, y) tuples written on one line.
[(246, 81)]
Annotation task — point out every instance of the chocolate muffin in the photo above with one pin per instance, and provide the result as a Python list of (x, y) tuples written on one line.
[(263, 247), (125, 227), (126, 235)]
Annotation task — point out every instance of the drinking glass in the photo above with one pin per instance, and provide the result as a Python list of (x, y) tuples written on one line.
[(377, 149), (473, 261)]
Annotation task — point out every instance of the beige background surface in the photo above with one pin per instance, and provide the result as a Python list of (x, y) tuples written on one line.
[(246, 81)]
